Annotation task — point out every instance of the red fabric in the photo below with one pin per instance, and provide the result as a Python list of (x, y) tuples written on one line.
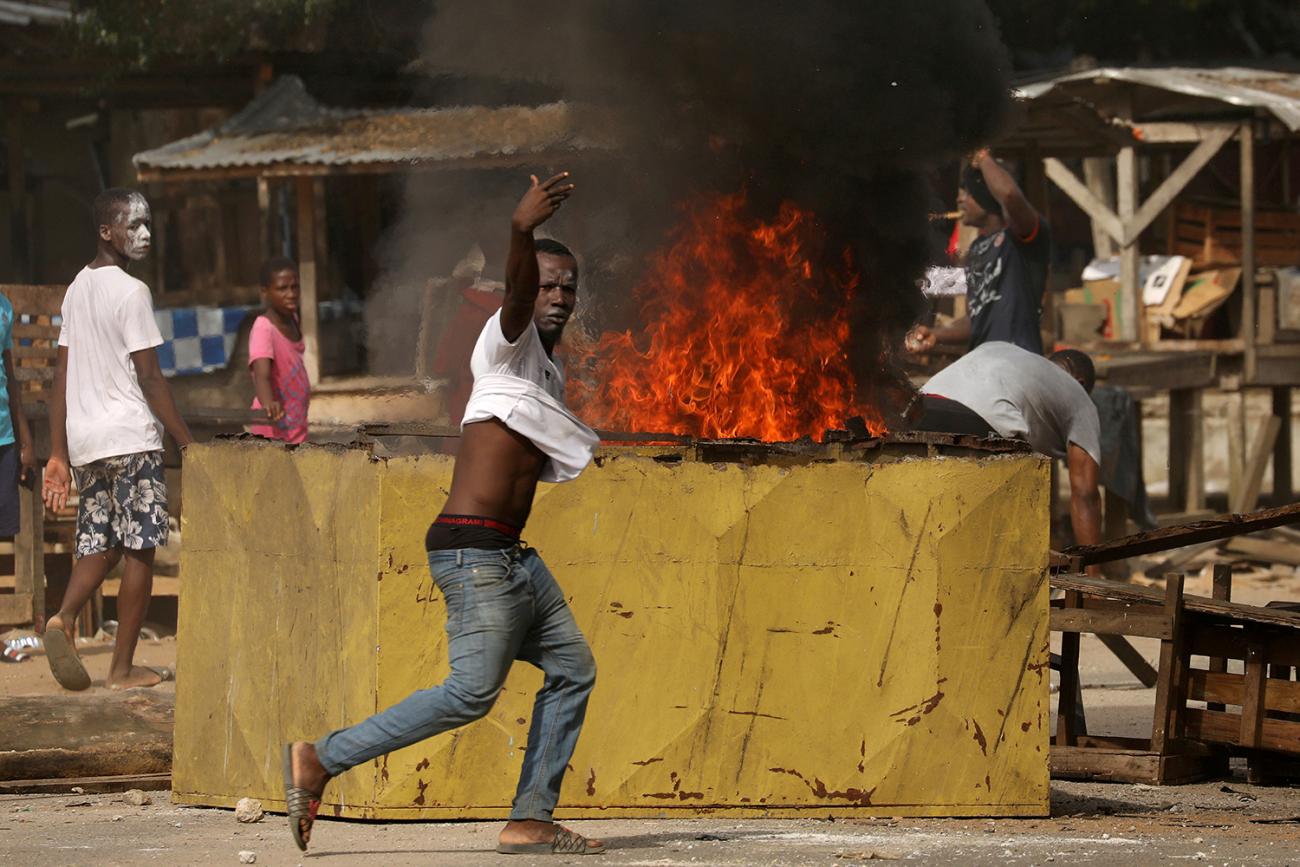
[(451, 360)]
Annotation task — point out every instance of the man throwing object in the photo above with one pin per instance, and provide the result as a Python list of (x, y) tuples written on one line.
[(503, 603)]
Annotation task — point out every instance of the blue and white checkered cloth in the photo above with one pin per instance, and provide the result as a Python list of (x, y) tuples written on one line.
[(197, 339), (202, 339)]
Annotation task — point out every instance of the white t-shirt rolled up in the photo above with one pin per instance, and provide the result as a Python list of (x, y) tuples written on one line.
[(107, 315), (523, 387)]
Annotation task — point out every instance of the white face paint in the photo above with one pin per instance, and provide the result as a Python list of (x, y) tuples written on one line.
[(137, 217)]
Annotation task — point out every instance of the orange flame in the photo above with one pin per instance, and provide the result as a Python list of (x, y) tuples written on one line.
[(743, 336)]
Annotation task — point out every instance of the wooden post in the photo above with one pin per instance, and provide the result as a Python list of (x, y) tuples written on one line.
[(29, 549), (1168, 687), (1100, 179), (1220, 588), (1186, 450), (1068, 697), (1282, 472), (1249, 317), (1235, 401), (1130, 293), (308, 278)]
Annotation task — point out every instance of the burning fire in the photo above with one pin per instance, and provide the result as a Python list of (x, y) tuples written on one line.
[(744, 334)]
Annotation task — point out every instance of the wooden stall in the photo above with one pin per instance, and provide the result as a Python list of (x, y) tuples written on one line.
[(1126, 146)]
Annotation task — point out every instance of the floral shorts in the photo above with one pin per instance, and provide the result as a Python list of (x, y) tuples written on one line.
[(123, 504)]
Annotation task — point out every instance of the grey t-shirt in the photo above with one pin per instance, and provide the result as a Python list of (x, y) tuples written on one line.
[(1022, 396)]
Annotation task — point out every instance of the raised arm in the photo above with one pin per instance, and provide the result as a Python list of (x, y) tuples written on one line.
[(1085, 499), (159, 395), (522, 279), (1021, 216)]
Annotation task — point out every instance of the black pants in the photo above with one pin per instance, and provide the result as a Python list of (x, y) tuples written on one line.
[(941, 415)]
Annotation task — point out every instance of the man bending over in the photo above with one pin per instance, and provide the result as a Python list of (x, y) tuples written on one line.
[(503, 603), (1003, 389)]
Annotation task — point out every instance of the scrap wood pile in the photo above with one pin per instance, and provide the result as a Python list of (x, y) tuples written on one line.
[(1245, 702)]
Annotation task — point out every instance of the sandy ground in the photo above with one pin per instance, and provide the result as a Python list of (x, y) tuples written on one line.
[(1219, 822)]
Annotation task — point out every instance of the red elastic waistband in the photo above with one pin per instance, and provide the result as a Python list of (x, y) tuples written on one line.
[(475, 521)]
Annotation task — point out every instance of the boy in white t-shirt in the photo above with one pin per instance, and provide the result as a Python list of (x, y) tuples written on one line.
[(109, 401)]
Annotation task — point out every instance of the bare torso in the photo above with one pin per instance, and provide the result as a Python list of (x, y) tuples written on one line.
[(496, 474)]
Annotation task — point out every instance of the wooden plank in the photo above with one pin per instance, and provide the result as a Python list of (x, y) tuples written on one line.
[(1252, 699), (1283, 484), (1130, 293), (1221, 589), (1280, 647), (88, 785), (309, 307), (1266, 550), (1235, 402), (1121, 766), (1069, 694), (1112, 742), (1186, 449), (1107, 589), (36, 331), (1260, 454), (1100, 181), (1102, 216), (1134, 661), (1223, 689), (1225, 728), (1176, 132), (1172, 185), (1182, 535), (1162, 728), (29, 548), (1111, 623), (1249, 299)]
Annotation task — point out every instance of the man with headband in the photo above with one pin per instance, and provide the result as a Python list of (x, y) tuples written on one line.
[(1006, 266)]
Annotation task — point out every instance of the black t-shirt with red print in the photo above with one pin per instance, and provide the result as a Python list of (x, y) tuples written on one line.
[(1005, 280)]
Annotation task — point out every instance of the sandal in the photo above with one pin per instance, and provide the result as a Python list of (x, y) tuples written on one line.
[(300, 804), (566, 842), (65, 665)]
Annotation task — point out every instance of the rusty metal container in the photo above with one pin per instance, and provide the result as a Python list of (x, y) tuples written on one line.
[(855, 629)]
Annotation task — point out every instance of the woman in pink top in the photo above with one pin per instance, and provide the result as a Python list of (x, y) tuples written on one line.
[(275, 351)]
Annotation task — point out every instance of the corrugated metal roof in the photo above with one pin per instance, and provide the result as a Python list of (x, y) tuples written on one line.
[(1274, 91), (26, 14), (286, 131)]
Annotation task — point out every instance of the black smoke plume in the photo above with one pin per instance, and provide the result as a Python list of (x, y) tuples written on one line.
[(840, 107)]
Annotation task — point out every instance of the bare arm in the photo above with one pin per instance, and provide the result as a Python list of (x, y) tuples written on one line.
[(923, 338), (22, 430), (58, 476), (1021, 216), (265, 393), (1085, 499), (522, 278), (159, 395)]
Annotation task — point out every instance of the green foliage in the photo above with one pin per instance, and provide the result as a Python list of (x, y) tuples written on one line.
[(134, 35)]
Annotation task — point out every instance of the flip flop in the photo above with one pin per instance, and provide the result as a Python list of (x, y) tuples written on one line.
[(300, 804), (164, 675), (65, 665), (566, 842)]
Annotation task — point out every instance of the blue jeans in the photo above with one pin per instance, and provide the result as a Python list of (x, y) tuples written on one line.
[(501, 606)]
